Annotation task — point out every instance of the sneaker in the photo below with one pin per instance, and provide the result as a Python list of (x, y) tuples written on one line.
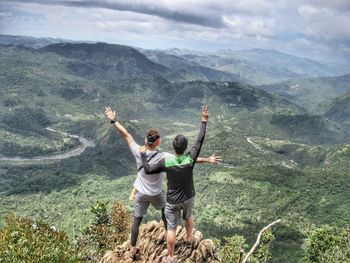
[(134, 252), (168, 259), (188, 244)]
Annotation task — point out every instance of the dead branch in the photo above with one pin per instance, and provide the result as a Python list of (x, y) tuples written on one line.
[(245, 260)]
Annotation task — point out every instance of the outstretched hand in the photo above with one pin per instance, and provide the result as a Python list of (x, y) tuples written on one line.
[(205, 113), (215, 159), (110, 114)]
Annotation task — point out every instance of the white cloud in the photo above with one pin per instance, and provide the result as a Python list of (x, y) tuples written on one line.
[(299, 26)]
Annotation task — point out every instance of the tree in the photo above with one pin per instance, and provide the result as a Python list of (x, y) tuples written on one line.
[(105, 232), (234, 249), (328, 245)]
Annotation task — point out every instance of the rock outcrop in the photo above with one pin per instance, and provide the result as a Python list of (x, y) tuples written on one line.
[(152, 246)]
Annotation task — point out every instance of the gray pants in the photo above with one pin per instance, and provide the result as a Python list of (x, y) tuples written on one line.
[(172, 212), (143, 201)]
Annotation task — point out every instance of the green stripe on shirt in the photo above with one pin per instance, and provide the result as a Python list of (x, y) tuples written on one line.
[(178, 161)]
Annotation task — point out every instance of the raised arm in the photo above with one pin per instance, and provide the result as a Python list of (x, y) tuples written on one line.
[(196, 148), (155, 168), (111, 115)]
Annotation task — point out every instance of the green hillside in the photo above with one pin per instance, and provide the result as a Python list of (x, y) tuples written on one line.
[(105, 61), (182, 65), (339, 110), (254, 66), (312, 93), (278, 161)]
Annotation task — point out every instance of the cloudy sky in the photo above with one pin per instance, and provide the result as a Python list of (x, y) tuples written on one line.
[(313, 28)]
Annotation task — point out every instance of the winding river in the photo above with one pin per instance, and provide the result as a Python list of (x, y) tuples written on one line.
[(84, 143)]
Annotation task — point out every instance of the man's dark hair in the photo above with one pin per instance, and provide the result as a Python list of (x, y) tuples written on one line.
[(180, 144), (152, 135)]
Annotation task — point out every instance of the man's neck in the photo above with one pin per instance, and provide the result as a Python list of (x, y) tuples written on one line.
[(152, 148)]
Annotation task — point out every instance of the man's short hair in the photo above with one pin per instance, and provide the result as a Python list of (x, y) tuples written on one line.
[(152, 135), (180, 143)]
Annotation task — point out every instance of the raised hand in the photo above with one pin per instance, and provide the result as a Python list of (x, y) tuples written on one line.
[(215, 159), (110, 114), (205, 113)]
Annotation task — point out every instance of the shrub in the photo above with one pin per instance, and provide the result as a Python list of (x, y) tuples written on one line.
[(231, 251), (105, 232), (235, 248), (328, 245), (22, 240)]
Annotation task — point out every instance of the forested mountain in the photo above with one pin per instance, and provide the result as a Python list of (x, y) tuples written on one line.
[(105, 61), (339, 109), (261, 66), (254, 66), (27, 41), (311, 93), (280, 161), (180, 64)]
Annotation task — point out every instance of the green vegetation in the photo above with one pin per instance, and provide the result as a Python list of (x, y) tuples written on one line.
[(315, 94), (327, 244), (23, 240), (105, 232), (187, 69), (235, 249), (339, 110), (278, 161)]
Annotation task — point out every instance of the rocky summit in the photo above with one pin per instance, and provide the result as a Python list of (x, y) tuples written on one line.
[(152, 247)]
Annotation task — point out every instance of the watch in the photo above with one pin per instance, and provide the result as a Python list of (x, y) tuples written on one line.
[(113, 121)]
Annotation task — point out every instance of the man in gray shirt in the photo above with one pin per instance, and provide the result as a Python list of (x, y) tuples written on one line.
[(148, 186)]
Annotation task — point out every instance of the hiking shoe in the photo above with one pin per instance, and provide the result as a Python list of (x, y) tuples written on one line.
[(134, 253), (168, 259), (188, 244)]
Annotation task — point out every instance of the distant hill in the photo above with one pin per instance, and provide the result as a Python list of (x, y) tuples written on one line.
[(255, 66), (27, 41), (105, 61), (311, 93), (112, 62), (312, 127), (339, 109), (179, 64), (143, 91), (261, 66), (72, 76)]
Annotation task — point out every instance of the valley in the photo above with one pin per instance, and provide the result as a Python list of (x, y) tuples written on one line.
[(84, 143), (281, 159)]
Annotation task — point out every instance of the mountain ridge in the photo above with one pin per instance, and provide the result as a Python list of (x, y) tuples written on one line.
[(311, 93), (253, 66)]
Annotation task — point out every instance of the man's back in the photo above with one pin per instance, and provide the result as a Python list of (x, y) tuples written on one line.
[(179, 171), (149, 184)]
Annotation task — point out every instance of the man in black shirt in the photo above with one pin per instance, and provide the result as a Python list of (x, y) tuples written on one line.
[(180, 192)]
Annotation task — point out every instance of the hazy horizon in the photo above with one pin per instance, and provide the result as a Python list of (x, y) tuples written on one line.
[(304, 28), (183, 49)]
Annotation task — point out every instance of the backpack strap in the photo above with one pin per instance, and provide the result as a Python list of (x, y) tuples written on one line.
[(148, 161)]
